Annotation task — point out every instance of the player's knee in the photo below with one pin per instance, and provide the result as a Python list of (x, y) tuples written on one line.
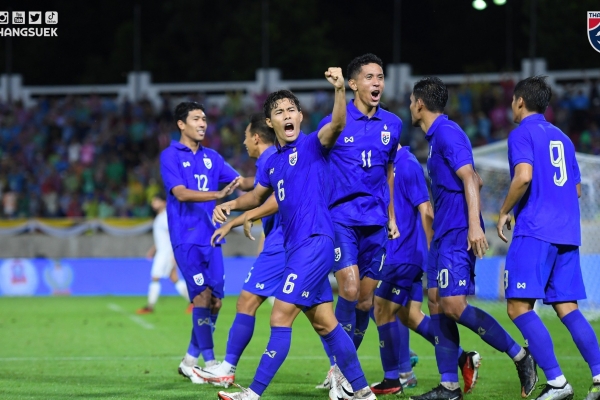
[(349, 291), (453, 312), (365, 304), (203, 299)]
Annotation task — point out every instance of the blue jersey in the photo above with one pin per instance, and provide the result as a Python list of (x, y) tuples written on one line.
[(299, 175), (271, 224), (449, 150), (358, 163), (191, 222), (410, 190), (549, 210)]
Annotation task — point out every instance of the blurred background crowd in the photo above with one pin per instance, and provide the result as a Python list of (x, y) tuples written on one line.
[(94, 157)]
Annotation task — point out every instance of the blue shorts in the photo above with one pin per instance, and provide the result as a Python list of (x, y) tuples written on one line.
[(266, 274), (536, 269), (217, 271), (408, 287), (194, 262), (306, 276), (452, 265), (360, 245)]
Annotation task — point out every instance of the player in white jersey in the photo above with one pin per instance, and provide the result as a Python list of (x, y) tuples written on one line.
[(163, 264)]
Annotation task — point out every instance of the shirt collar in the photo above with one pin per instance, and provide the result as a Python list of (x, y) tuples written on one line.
[(283, 148), (356, 114), (440, 119), (533, 118), (181, 146)]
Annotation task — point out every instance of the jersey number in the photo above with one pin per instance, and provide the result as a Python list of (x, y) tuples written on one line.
[(202, 182), (443, 278), (280, 190), (289, 285), (558, 161), (366, 158)]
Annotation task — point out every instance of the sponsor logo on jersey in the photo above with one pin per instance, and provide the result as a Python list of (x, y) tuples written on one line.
[(349, 139), (186, 164)]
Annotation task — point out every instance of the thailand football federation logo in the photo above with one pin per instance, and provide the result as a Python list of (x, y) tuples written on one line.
[(385, 137), (338, 253), (199, 279), (593, 22), (293, 158), (207, 162)]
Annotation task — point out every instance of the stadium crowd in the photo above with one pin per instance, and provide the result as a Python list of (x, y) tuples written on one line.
[(95, 157)]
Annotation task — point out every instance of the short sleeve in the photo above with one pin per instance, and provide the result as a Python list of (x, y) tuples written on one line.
[(227, 173), (520, 148), (456, 149), (315, 144), (394, 143), (415, 184), (576, 172), (169, 171), (262, 175)]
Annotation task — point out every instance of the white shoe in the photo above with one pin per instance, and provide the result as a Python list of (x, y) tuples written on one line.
[(245, 394), (556, 393), (340, 387), (364, 394), (326, 385), (218, 375), (192, 373)]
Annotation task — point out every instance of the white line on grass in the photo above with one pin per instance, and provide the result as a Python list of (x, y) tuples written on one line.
[(138, 320)]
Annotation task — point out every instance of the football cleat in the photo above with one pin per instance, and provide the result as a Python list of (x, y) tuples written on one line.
[(409, 382), (326, 385), (440, 393), (470, 370), (387, 386), (145, 310), (340, 387), (414, 358), (192, 373), (556, 393), (245, 394), (594, 392), (364, 394), (216, 375), (527, 370)]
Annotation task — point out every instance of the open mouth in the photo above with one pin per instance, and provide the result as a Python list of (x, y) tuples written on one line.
[(375, 95), (289, 129)]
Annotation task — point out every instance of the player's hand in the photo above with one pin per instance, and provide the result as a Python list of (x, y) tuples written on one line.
[(335, 77), (393, 232), (221, 212), (248, 223), (477, 241), (220, 234), (227, 190), (504, 219)]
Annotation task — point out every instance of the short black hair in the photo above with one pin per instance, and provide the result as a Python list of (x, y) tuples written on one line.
[(274, 98), (536, 93), (356, 64), (258, 125), (432, 91), (183, 109)]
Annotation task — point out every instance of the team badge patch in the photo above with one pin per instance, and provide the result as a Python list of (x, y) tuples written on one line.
[(385, 137), (199, 279), (293, 158), (593, 22), (207, 162), (338, 253)]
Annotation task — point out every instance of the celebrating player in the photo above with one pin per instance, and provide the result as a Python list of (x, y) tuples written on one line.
[(298, 174), (266, 274), (163, 264), (457, 241), (191, 174), (543, 258)]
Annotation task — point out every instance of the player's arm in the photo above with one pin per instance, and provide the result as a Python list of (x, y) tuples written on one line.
[(329, 133), (393, 231), (269, 207), (151, 252), (518, 187), (247, 201), (579, 190), (246, 183), (184, 194), (476, 236), (426, 212)]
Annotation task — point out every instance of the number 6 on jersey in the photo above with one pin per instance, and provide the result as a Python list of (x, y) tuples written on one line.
[(280, 190)]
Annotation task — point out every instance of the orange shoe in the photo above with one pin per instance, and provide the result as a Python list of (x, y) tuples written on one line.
[(190, 308), (470, 370), (145, 310)]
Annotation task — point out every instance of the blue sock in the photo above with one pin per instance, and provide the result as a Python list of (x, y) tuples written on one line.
[(403, 349), (275, 354), (362, 323), (585, 339), (347, 360), (328, 352), (389, 346), (425, 329), (203, 332), (446, 349), (345, 312), (213, 321), (489, 329), (193, 349), (240, 334), (540, 343)]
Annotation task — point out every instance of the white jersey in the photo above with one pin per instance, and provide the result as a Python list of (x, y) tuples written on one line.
[(160, 231)]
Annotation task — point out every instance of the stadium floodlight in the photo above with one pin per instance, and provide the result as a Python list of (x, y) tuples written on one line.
[(499, 2), (479, 5)]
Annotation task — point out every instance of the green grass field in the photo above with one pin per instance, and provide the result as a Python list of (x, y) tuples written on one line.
[(97, 348)]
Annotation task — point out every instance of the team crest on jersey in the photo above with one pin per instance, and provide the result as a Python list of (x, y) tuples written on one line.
[(593, 22), (338, 253), (385, 137), (199, 279), (207, 162), (293, 158)]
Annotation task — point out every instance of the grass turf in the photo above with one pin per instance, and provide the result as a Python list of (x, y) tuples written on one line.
[(97, 348)]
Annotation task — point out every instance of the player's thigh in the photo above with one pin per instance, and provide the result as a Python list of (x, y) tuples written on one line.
[(565, 284), (193, 262), (455, 265), (162, 265), (372, 251), (345, 247), (529, 263), (266, 274), (284, 313), (248, 302)]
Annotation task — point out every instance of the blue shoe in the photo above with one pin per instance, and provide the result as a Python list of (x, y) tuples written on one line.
[(414, 358)]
